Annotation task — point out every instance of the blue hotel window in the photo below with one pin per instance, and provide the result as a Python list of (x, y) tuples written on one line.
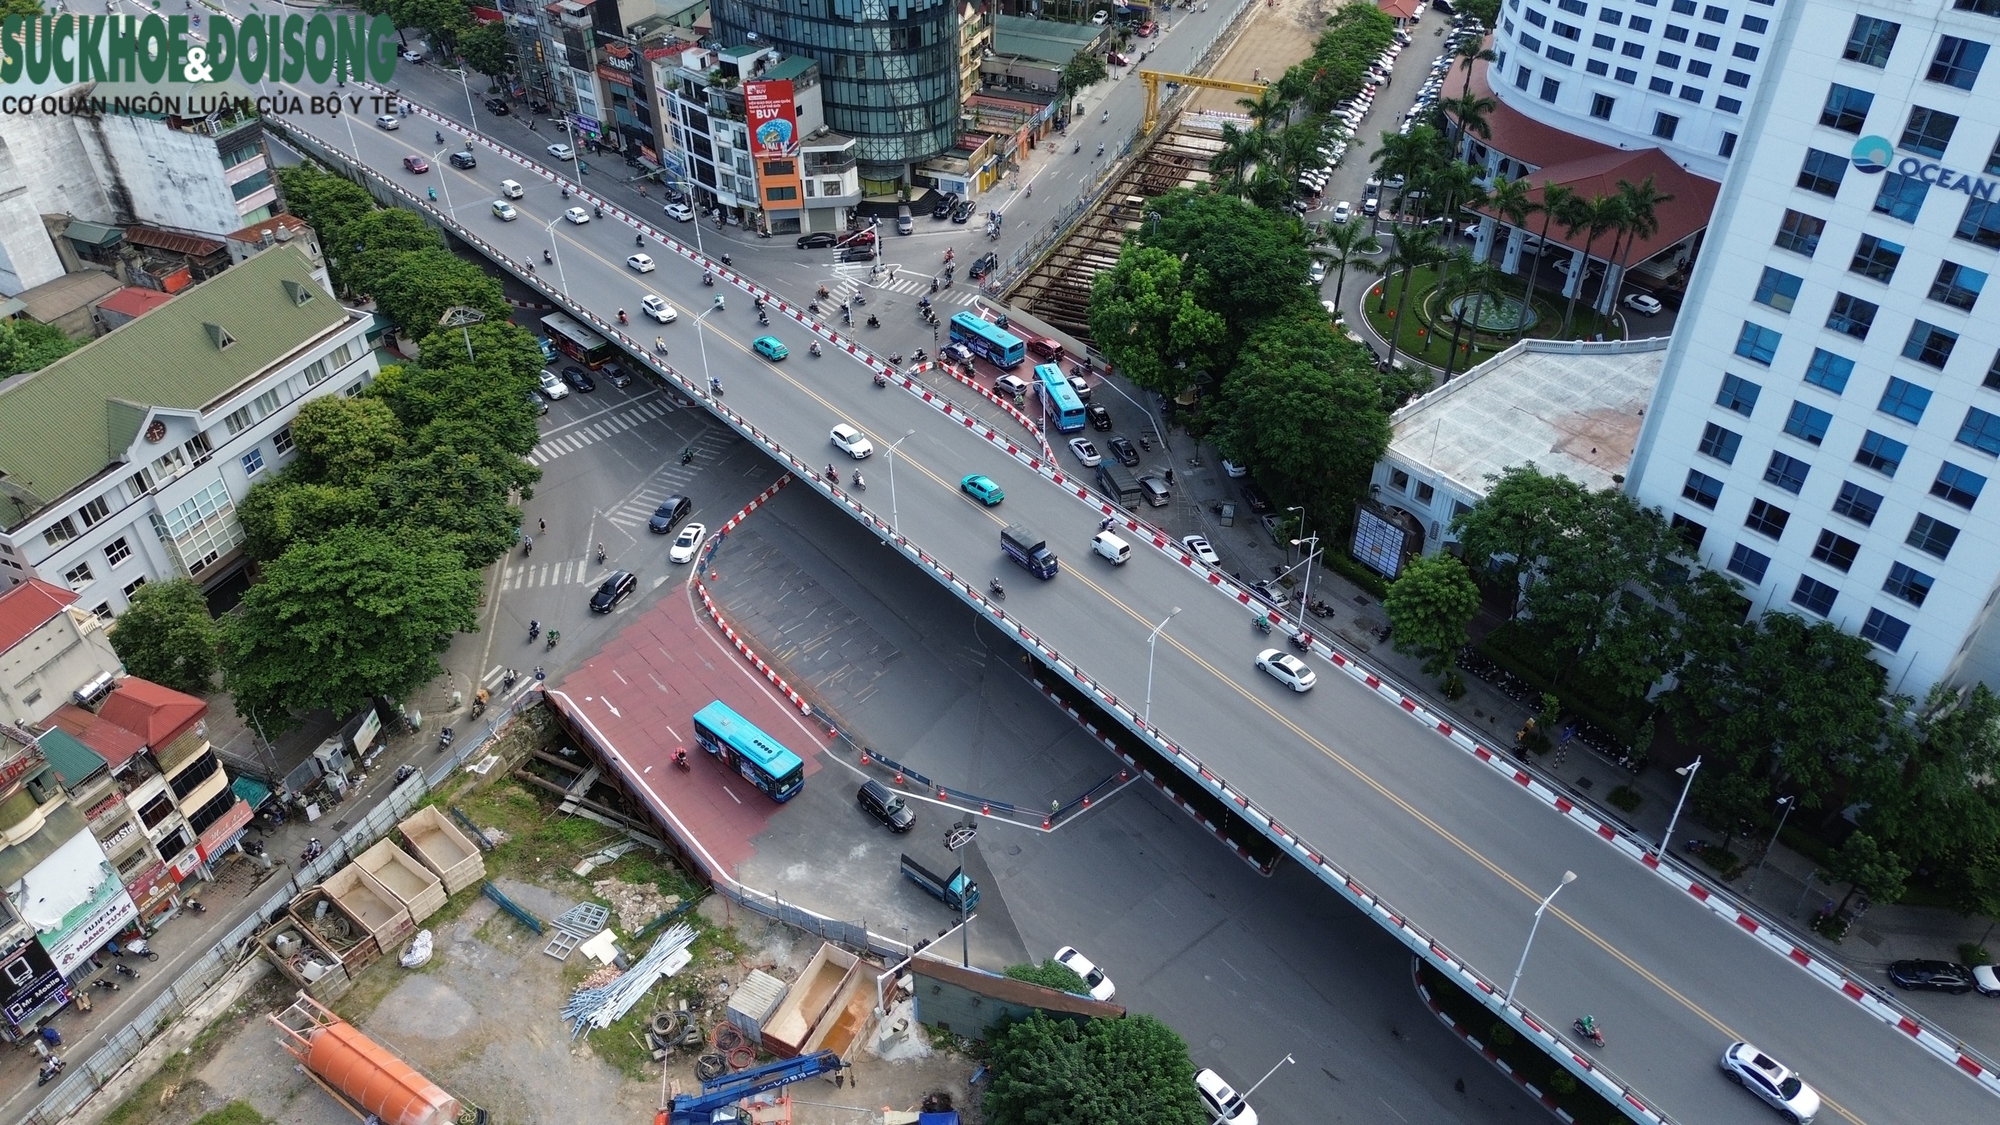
[(1981, 223), (1610, 16), (1640, 25), (1787, 472), (1829, 371), (1901, 196), (1573, 7), (1660, 85), (1668, 59), (1745, 51), (1882, 454), (1567, 31), (253, 462), (1755, 25), (1928, 131), (1851, 315), (1981, 431), (1857, 503), (1876, 258), (1702, 488), (1683, 7), (1909, 584), (1778, 289), (1870, 41), (1748, 564), (1757, 343), (1932, 536), (1814, 596), (1603, 43), (1846, 108), (1719, 443), (1905, 400), (1738, 394), (1766, 518), (1821, 171), (1675, 33), (1714, 14), (1954, 485), (1929, 344), (1731, 105), (1626, 75), (1836, 551), (1957, 62), (1536, 18), (1633, 50), (1884, 630), (1707, 42), (1555, 55), (1807, 423), (1597, 66), (1699, 69), (1691, 94), (1957, 286)]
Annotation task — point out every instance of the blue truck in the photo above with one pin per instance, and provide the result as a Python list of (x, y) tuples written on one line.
[(956, 890), (1028, 549)]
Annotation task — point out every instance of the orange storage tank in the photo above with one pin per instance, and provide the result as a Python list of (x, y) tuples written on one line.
[(357, 1066)]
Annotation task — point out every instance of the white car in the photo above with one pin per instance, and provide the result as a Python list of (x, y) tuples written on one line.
[(1770, 1080), (658, 309), (641, 262), (1235, 471), (504, 211), (1287, 669), (1343, 211), (577, 215), (388, 121), (1085, 452), (680, 212), (1197, 546), (553, 387), (1644, 304), (1224, 1103), (410, 54), (1094, 979), (1102, 15), (686, 543), (1986, 979), (851, 441), (1317, 272), (562, 152)]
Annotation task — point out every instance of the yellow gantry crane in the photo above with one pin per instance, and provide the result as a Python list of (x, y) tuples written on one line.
[(1153, 78)]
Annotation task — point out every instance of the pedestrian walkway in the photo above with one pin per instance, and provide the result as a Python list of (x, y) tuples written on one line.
[(916, 285), (572, 439)]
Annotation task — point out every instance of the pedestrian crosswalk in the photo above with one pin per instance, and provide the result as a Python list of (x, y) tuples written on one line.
[(573, 438), (846, 285)]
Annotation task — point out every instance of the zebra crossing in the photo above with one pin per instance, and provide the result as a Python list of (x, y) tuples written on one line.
[(845, 286), (574, 438)]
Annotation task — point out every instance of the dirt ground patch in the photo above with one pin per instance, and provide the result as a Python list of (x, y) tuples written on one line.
[(1278, 35)]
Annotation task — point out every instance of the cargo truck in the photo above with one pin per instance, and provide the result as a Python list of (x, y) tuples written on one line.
[(1028, 549), (957, 891), (1119, 485)]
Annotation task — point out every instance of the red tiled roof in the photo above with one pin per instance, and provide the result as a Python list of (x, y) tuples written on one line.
[(27, 607), (1398, 9), (154, 713), (1522, 137), (113, 743), (134, 301)]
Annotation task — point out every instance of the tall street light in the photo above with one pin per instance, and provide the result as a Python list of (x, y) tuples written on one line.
[(473, 113), (556, 250), (889, 455), (1151, 642), (1787, 804), (1245, 1095), (1688, 771), (702, 340), (689, 185), (444, 179), (1568, 878), (1305, 592)]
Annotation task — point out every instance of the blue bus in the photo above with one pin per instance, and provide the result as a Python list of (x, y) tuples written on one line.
[(761, 759), (990, 342), (1059, 399)]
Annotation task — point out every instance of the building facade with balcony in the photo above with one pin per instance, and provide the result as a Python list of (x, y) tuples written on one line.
[(750, 138), (191, 404), (50, 648)]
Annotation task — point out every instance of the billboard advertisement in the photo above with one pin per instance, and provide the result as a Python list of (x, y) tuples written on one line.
[(774, 127)]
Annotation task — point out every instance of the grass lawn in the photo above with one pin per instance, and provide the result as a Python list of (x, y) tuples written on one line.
[(1424, 333)]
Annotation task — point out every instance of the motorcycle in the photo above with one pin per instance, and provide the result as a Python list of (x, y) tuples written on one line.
[(1319, 609), (600, 212), (813, 351), (996, 589), (896, 358), (600, 554), (1302, 641), (124, 970), (859, 486), (314, 849), (919, 356), (534, 630), (763, 317), (881, 380), (860, 298), (622, 318), (507, 681), (1262, 623), (546, 259), (873, 321), (137, 947), (49, 1070), (708, 279), (832, 474), (555, 635), (444, 740), (681, 758), (404, 773), (715, 386), (195, 906), (720, 302), (105, 983), (1587, 1027)]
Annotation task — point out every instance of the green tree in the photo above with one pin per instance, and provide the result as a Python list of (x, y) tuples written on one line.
[(1416, 248), (167, 636), (1867, 868), (1725, 798), (344, 441), (354, 614), (1932, 795), (1303, 404), (324, 200), (444, 20), (1470, 50), (1639, 204), (1249, 263), (24, 8), (1240, 149), (1131, 1071), (1050, 974), (1431, 606), (1147, 321), (1267, 110), (1593, 216), (1082, 72), (1467, 113), (1348, 246), (1557, 200), (287, 510), (488, 49), (424, 283), (27, 345)]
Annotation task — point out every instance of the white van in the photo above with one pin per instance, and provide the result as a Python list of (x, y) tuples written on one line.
[(1111, 547), (511, 189)]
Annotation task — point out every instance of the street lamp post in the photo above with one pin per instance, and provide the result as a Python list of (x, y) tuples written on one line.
[(689, 185), (703, 342), (1151, 641), (889, 455), (1688, 771), (1786, 803), (1568, 878), (556, 250), (470, 112), (445, 180)]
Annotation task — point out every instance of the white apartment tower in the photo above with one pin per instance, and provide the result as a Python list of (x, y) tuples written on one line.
[(1828, 416)]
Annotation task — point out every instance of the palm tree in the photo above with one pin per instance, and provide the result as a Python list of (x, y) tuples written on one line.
[(1352, 247), (1480, 281), (1509, 200), (1415, 249), (1296, 148), (1556, 199), (1239, 151), (1470, 51), (1594, 216), (1410, 155), (1267, 107), (1468, 112), (1641, 202)]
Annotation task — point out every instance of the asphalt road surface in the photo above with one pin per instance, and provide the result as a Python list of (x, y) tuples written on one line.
[(1461, 852)]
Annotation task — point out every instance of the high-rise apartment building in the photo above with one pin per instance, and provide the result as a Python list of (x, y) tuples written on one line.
[(1829, 412)]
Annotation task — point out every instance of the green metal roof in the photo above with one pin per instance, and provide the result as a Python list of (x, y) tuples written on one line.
[(68, 422), (1048, 40), (93, 234), (791, 66), (72, 759)]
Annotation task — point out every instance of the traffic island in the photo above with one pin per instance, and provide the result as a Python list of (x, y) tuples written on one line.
[(1422, 328)]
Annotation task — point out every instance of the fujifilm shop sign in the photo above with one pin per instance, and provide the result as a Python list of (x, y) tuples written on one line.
[(1872, 155)]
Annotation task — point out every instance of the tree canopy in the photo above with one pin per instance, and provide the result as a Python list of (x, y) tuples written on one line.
[(1130, 1071), (166, 635), (1431, 606), (1147, 322), (27, 345)]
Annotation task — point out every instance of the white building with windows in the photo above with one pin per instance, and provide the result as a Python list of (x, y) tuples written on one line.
[(1829, 412), (1674, 74), (123, 462)]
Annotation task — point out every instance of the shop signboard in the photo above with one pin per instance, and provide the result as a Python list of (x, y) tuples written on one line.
[(91, 924), (38, 981), (223, 832), (774, 125)]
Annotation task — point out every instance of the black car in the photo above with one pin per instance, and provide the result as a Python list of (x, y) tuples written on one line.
[(464, 159), (889, 808), (942, 208), (983, 265), (1254, 496), (1931, 976), (670, 512), (618, 375), (862, 253), (579, 378), (819, 241), (1122, 449), (1100, 418), (497, 107), (615, 589), (962, 212)]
